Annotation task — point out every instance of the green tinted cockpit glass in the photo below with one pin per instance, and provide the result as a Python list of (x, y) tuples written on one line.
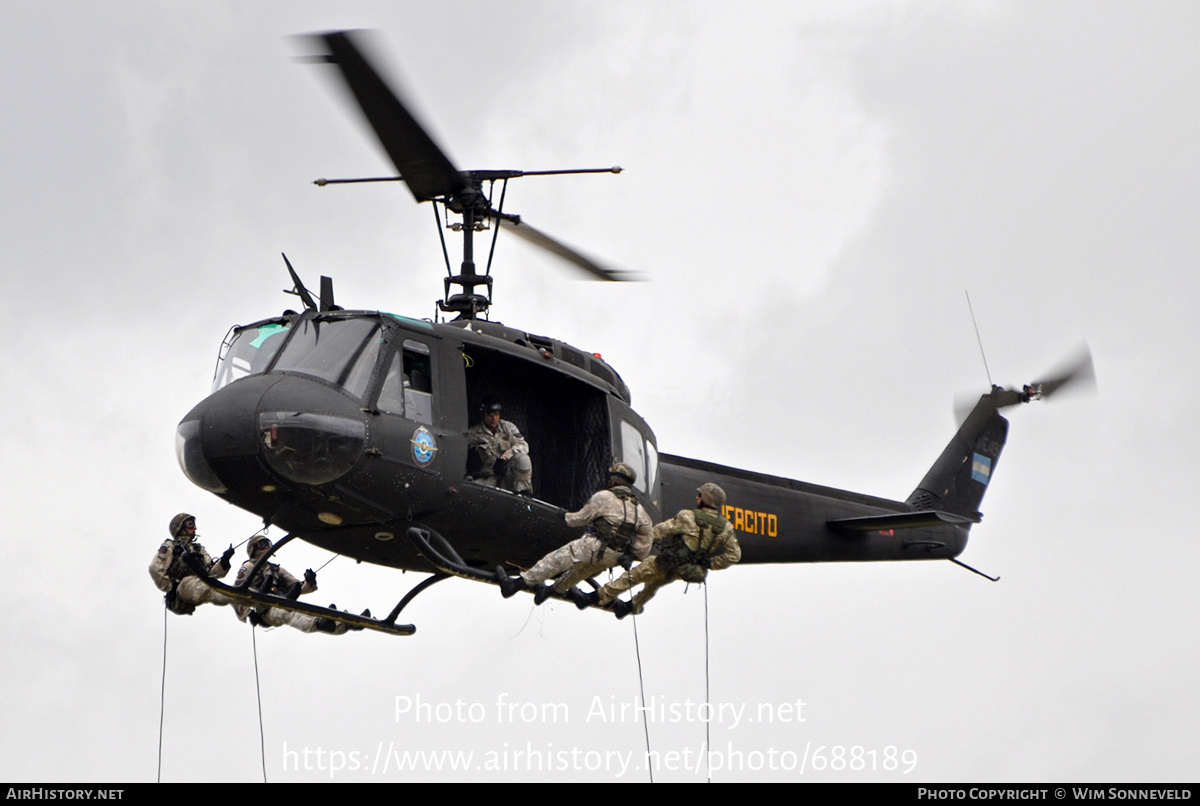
[(266, 331), (248, 352)]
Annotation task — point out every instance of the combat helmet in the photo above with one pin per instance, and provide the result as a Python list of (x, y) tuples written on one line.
[(622, 471), (256, 542), (178, 521), (712, 495)]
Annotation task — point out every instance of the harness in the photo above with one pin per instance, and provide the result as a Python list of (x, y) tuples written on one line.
[(618, 537), (176, 605), (688, 564), (267, 580), (176, 571)]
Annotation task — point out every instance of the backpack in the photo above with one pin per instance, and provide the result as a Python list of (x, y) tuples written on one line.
[(692, 566), (618, 538)]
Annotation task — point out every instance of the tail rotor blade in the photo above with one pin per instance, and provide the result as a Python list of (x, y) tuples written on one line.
[(1077, 372)]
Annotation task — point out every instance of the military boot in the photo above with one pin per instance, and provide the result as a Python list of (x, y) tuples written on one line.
[(582, 600), (508, 585)]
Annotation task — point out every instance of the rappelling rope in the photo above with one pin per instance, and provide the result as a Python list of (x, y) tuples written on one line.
[(262, 742), (642, 687), (257, 532), (263, 532), (162, 694), (707, 688), (707, 695), (637, 649)]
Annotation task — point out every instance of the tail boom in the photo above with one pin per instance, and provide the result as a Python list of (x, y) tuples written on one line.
[(780, 520)]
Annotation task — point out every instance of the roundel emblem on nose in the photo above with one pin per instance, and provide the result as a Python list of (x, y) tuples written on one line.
[(424, 446)]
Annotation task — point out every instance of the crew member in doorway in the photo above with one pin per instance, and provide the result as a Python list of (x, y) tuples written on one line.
[(499, 455), (618, 531), (275, 580), (690, 544), (184, 590)]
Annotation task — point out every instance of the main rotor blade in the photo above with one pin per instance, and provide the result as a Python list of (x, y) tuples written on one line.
[(425, 167), (1076, 371), (539, 238)]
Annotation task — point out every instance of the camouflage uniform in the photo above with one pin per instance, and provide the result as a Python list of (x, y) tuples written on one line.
[(681, 538), (183, 588), (278, 582), (593, 553), (505, 442)]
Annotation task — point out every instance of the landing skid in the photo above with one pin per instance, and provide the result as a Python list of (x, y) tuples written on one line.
[(257, 599), (438, 551)]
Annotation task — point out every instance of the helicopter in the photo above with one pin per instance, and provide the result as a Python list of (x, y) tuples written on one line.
[(349, 428)]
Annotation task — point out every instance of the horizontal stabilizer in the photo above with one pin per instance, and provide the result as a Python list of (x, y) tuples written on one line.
[(900, 520)]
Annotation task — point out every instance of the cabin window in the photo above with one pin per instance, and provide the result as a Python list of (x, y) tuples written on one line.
[(633, 453), (651, 465), (408, 386), (341, 351), (248, 352)]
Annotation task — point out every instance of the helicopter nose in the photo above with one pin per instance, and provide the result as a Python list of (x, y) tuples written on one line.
[(298, 429), (215, 443), (310, 448)]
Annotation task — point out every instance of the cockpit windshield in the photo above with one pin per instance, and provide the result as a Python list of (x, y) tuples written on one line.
[(248, 351), (341, 351)]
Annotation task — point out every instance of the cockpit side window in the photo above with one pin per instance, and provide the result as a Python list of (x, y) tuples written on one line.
[(391, 396), (248, 352), (408, 386), (341, 351)]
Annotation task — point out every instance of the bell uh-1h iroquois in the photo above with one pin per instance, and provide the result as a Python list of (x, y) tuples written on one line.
[(348, 429)]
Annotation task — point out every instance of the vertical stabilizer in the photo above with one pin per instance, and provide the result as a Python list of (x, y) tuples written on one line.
[(959, 478)]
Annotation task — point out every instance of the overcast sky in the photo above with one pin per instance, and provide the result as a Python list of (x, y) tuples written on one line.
[(811, 188)]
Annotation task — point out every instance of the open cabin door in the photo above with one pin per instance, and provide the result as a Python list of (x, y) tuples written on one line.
[(564, 419)]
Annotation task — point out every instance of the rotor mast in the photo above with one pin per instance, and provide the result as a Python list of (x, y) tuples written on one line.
[(467, 304)]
